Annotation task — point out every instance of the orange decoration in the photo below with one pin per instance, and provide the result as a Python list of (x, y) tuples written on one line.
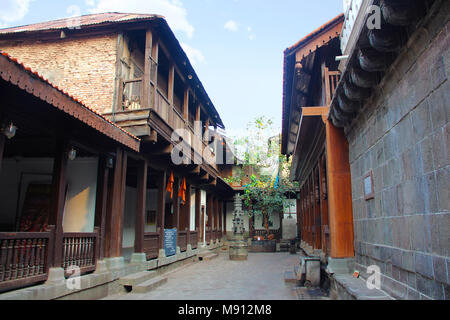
[(170, 185)]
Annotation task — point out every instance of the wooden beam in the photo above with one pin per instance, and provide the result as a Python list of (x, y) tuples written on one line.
[(58, 201), (315, 111), (205, 177), (166, 150), (141, 206), (340, 210)]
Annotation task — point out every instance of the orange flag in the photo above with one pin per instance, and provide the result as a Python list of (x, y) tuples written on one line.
[(170, 185), (182, 191)]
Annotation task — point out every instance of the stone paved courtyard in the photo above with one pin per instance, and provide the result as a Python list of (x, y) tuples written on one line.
[(261, 277)]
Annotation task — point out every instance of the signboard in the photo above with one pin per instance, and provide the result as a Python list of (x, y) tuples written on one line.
[(170, 242), (369, 192)]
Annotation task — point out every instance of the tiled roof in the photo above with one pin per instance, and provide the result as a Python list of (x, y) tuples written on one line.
[(93, 112), (305, 41), (84, 21)]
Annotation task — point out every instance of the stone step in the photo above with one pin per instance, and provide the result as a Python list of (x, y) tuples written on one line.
[(290, 277), (149, 285), (209, 256), (137, 278)]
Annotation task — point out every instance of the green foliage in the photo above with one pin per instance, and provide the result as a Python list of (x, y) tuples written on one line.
[(262, 151)]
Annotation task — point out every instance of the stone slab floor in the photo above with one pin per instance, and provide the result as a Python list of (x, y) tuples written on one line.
[(261, 277)]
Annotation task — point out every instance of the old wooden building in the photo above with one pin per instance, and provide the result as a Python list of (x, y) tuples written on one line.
[(365, 117), (132, 70), (319, 150)]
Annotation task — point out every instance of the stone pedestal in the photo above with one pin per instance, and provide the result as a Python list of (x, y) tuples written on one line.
[(238, 251)]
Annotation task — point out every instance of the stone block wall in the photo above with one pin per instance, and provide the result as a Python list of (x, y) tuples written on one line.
[(402, 136), (85, 68)]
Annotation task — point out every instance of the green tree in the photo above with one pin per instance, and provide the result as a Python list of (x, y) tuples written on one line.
[(267, 191)]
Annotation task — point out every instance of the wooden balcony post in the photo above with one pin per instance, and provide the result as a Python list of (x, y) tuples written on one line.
[(206, 135), (186, 105), (155, 53), (339, 193), (198, 225), (101, 204), (161, 207), (171, 84), (58, 200), (147, 68), (141, 206), (115, 211)]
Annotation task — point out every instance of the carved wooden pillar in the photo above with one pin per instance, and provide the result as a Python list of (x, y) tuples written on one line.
[(339, 193), (161, 207), (101, 205), (58, 199), (141, 206)]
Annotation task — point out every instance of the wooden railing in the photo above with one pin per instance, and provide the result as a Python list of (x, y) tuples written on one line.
[(175, 120), (162, 106), (331, 79), (193, 239), (182, 240), (132, 94), (263, 233), (24, 258), (80, 251), (208, 235), (151, 245)]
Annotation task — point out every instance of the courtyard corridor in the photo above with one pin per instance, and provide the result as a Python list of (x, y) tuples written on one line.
[(258, 278)]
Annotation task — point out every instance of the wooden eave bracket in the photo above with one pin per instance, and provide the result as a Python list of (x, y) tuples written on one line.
[(316, 112)]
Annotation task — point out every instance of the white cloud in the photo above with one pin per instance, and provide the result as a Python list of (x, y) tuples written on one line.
[(232, 26), (13, 11), (194, 55), (172, 10)]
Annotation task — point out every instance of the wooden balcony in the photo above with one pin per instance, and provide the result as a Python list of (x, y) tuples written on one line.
[(24, 259)]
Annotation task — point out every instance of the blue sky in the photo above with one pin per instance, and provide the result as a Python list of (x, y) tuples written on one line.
[(236, 46)]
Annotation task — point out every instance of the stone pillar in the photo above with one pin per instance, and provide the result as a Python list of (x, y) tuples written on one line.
[(238, 247)]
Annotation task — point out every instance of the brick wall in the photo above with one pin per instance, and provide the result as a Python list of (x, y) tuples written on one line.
[(402, 135), (83, 67)]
